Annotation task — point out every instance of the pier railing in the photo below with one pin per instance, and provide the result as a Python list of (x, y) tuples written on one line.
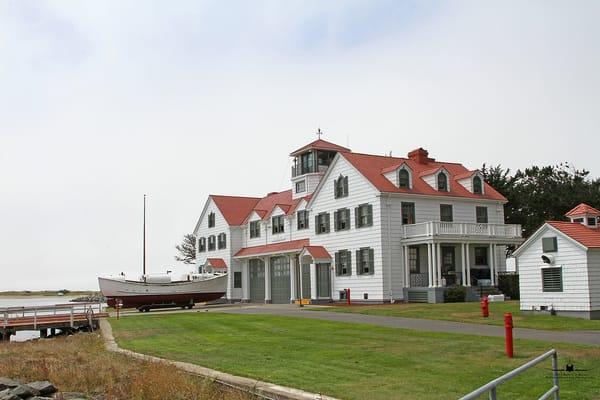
[(37, 314)]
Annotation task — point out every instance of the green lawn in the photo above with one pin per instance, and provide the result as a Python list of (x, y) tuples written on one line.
[(352, 361), (470, 312)]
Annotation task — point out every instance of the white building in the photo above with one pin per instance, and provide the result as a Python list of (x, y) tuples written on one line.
[(559, 266), (387, 228)]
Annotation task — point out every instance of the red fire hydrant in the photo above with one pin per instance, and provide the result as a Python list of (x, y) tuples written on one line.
[(508, 327), (485, 307), (348, 297)]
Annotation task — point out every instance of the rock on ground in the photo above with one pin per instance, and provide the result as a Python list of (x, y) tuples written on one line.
[(6, 383), (43, 387)]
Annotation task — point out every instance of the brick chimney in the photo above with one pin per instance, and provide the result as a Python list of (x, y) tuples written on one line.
[(420, 156)]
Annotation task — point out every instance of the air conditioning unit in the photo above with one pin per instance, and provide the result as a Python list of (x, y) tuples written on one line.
[(548, 259)]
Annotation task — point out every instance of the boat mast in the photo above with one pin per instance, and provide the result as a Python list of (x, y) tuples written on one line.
[(144, 258)]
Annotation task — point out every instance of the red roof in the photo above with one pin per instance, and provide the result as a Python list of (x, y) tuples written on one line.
[(371, 166), (217, 262), (582, 209), (318, 252), (319, 144), (235, 209), (273, 248), (588, 237)]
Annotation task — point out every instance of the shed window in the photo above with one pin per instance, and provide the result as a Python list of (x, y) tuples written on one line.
[(277, 224), (549, 245), (442, 182), (363, 215), (403, 179), (552, 279), (341, 219), (343, 263), (477, 185), (365, 264), (446, 213)]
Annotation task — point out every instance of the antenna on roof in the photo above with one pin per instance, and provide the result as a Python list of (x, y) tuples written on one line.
[(319, 133)]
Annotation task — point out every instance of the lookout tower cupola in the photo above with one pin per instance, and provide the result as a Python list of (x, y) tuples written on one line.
[(585, 215), (310, 163)]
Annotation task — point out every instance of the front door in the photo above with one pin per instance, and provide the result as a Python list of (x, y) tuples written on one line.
[(257, 281), (323, 281), (449, 265), (306, 281)]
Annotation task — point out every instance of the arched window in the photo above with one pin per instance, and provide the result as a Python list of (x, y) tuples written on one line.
[(477, 185), (403, 179), (442, 182)]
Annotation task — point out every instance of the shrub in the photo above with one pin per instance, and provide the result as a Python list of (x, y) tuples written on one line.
[(509, 285), (455, 294)]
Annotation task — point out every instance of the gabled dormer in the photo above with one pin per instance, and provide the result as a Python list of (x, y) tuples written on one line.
[(310, 163), (472, 181), (585, 215), (438, 178), (400, 175)]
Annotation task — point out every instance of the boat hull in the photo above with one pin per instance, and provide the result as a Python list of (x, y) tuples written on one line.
[(138, 294)]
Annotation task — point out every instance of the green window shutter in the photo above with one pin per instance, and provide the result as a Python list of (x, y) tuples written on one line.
[(327, 221), (370, 215), (317, 224), (356, 218), (306, 219), (358, 263), (335, 186), (371, 261), (337, 263), (336, 219), (224, 240), (349, 261), (345, 186)]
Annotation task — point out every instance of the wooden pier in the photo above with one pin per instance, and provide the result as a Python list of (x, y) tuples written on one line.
[(63, 317)]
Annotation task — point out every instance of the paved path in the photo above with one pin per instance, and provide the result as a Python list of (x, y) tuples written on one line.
[(578, 337)]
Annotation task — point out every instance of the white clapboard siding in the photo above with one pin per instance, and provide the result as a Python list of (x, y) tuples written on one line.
[(463, 210), (572, 258), (594, 277), (360, 192), (393, 264)]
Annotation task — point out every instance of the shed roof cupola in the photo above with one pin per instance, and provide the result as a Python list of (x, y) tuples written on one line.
[(585, 215), (310, 162)]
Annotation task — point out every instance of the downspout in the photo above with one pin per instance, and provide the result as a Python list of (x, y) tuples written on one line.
[(388, 203)]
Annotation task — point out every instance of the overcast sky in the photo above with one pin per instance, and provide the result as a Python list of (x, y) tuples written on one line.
[(101, 102)]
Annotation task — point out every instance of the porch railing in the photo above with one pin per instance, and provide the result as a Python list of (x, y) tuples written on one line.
[(437, 228)]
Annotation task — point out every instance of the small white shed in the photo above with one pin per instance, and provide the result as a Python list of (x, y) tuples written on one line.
[(559, 266)]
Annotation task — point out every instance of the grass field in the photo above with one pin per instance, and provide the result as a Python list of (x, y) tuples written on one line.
[(80, 363), (352, 361), (470, 312)]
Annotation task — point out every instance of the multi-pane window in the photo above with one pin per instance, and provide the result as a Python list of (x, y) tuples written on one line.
[(222, 241), (591, 221), (254, 229), (340, 187), (442, 182), (363, 215), (446, 213), (277, 224), (403, 179), (365, 261), (343, 263), (212, 242), (341, 219), (413, 259), (237, 280), (408, 213), (201, 245), (322, 223), (301, 186), (580, 220), (481, 215), (549, 245), (302, 217), (552, 279), (477, 185), (211, 220), (481, 255)]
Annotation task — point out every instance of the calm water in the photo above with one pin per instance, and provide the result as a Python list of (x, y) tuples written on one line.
[(26, 301)]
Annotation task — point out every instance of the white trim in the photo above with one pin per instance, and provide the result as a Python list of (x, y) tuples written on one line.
[(539, 232)]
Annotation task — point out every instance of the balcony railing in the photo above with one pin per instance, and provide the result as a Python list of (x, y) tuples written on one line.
[(437, 228), (301, 170)]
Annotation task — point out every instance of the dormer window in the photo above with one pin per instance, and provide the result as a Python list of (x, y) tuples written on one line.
[(442, 182), (341, 187), (403, 179), (477, 185)]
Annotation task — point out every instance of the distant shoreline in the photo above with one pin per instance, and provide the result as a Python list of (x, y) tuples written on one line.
[(46, 293)]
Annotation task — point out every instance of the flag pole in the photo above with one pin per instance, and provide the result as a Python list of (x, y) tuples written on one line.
[(144, 258)]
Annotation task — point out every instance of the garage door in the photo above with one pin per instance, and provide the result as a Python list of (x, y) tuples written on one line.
[(280, 280), (306, 281), (257, 281)]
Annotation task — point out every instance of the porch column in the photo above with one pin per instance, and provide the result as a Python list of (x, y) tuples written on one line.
[(293, 295), (468, 254), (439, 263), (492, 263), (463, 264), (267, 280), (406, 267), (302, 295), (313, 281), (230, 281), (430, 264), (245, 280)]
